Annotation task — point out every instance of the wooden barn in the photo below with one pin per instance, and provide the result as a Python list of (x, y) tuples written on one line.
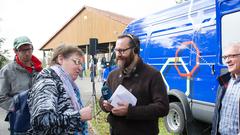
[(89, 23)]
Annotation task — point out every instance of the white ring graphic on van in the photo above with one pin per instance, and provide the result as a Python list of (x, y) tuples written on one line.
[(172, 60)]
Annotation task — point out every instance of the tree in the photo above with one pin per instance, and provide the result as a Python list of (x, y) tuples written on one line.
[(3, 53)]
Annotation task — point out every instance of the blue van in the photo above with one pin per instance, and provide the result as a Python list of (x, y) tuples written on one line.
[(185, 44)]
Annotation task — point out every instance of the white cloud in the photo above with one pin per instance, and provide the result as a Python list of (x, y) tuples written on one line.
[(40, 19)]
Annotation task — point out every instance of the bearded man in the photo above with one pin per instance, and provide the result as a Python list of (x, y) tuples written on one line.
[(144, 82)]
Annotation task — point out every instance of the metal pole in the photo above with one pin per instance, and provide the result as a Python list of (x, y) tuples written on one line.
[(93, 87)]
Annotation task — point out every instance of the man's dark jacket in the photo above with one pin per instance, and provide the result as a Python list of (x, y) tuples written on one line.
[(147, 85)]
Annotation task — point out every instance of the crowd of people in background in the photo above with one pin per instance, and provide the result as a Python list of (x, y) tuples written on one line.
[(96, 68)]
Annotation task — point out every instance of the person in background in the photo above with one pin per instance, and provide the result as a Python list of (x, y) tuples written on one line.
[(100, 71), (103, 61), (81, 75), (17, 76), (84, 70), (54, 101), (226, 113), (144, 82), (93, 68)]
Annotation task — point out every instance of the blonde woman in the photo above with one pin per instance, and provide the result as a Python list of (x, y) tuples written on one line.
[(54, 100)]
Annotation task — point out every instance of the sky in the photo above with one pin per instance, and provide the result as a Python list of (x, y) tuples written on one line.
[(41, 19)]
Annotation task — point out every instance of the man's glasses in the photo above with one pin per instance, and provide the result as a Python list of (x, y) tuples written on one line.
[(25, 50), (122, 51), (230, 56), (77, 62)]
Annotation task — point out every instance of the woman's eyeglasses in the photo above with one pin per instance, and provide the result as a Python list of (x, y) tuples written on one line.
[(77, 62)]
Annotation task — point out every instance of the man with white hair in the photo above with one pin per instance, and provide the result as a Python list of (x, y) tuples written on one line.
[(226, 114)]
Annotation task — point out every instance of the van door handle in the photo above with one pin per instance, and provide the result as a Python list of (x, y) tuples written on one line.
[(212, 70)]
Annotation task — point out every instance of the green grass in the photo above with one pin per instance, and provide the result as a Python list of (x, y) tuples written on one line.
[(101, 126), (162, 129)]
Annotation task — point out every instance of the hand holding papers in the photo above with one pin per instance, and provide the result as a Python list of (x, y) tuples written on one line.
[(122, 95)]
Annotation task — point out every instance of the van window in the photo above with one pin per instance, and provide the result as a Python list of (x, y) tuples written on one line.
[(161, 46), (230, 32)]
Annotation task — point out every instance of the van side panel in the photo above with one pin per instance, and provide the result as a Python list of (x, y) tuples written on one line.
[(166, 31), (185, 44)]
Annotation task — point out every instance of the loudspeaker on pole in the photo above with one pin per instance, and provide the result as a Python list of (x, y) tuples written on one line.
[(93, 46)]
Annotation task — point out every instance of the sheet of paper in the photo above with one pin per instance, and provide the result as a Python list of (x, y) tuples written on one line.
[(122, 95)]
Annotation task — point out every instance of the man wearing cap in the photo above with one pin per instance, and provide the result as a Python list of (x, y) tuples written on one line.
[(17, 76)]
